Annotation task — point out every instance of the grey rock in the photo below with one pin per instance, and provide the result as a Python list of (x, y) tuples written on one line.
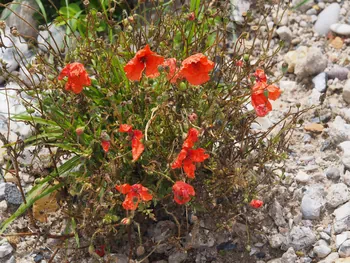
[(2, 191), (342, 218), (314, 63), (333, 173), (326, 18), (120, 258), (301, 237), (325, 236), (344, 249), (341, 29), (162, 230), (52, 39), (177, 257), (276, 213), (13, 195), (23, 18), (339, 130), (312, 202), (346, 178), (12, 260), (340, 239), (320, 82), (346, 91), (338, 72), (277, 240), (330, 258), (322, 251), (5, 249), (284, 33), (276, 260), (289, 256), (337, 194)]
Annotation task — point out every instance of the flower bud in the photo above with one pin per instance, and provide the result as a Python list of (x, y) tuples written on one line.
[(126, 221), (246, 57), (192, 117), (191, 16), (79, 131), (182, 86)]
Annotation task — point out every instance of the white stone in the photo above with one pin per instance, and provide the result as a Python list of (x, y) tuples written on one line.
[(5, 249), (314, 63), (330, 258), (302, 177), (284, 33), (322, 251), (339, 239), (344, 249), (3, 206), (346, 91), (337, 194), (341, 29), (326, 18)]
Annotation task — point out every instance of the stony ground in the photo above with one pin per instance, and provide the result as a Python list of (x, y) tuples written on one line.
[(307, 217)]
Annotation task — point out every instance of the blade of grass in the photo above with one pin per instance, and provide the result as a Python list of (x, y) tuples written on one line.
[(42, 8), (301, 4)]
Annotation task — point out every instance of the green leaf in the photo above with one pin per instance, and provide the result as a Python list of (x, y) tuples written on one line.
[(74, 228), (34, 119), (301, 4)]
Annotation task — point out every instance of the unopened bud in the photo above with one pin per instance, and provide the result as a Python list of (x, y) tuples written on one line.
[(126, 221), (182, 86), (246, 57), (79, 131)]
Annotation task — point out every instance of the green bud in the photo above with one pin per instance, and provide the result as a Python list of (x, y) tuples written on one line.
[(182, 86), (246, 57)]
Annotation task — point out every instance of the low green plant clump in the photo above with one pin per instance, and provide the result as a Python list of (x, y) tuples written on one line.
[(150, 116)]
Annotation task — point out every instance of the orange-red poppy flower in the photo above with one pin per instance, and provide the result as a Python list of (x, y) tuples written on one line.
[(262, 92), (134, 194), (192, 137), (77, 77), (195, 69), (144, 59), (182, 192), (188, 156), (173, 73), (260, 75), (256, 203), (136, 145)]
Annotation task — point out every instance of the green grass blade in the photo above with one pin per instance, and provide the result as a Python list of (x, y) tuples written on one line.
[(301, 4), (30, 118), (74, 228), (42, 9)]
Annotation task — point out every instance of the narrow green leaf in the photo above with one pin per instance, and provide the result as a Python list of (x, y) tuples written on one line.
[(42, 9), (35, 119), (74, 228)]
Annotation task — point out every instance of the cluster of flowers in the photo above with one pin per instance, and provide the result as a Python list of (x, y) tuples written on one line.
[(195, 69)]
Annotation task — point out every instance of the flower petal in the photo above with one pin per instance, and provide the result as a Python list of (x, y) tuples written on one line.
[(198, 155), (189, 167), (178, 161), (137, 148), (192, 137), (134, 68), (125, 128), (124, 188)]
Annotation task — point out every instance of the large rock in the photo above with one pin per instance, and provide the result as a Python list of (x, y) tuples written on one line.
[(330, 258), (53, 38), (312, 202), (341, 29), (314, 63), (339, 130), (342, 218), (337, 194), (22, 17), (301, 238), (289, 256), (5, 249), (326, 18), (239, 7), (276, 213), (344, 250)]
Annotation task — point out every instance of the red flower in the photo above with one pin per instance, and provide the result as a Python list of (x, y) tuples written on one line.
[(100, 250), (182, 192), (196, 69), (188, 156), (256, 203), (144, 59), (77, 77), (262, 92), (136, 145), (191, 16), (105, 145), (173, 74), (239, 63), (105, 141), (134, 193)]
